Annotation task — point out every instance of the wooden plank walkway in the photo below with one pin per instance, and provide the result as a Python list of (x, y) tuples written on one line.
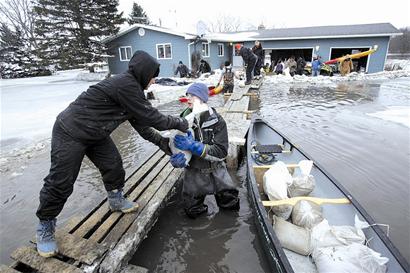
[(104, 241), (237, 116)]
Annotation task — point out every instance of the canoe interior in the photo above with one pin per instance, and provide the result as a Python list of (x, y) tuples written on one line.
[(326, 187)]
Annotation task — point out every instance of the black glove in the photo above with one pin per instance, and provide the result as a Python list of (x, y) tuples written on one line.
[(164, 145), (182, 125)]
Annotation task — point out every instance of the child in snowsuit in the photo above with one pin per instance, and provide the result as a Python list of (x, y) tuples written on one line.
[(207, 172)]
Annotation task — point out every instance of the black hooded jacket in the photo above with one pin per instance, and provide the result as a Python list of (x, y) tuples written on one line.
[(97, 112), (247, 55)]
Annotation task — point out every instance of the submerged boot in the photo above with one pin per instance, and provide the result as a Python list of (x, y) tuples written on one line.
[(117, 202), (46, 241)]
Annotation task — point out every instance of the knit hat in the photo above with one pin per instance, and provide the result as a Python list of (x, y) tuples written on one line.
[(199, 90), (238, 46)]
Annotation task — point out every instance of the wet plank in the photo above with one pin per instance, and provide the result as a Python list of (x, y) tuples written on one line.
[(238, 92), (6, 269), (126, 221), (30, 257), (112, 219), (78, 248), (97, 217), (125, 249)]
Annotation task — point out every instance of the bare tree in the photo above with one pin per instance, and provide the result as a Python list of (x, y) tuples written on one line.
[(19, 14), (401, 43), (225, 23)]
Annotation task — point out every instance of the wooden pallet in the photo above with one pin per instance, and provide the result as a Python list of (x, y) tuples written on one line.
[(104, 241)]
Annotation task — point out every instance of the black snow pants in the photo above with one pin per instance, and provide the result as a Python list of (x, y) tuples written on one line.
[(250, 68), (258, 67), (198, 183), (67, 154)]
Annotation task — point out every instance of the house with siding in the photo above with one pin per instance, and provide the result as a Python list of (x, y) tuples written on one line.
[(329, 42)]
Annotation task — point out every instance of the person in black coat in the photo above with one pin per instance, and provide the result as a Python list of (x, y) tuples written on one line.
[(84, 128), (260, 53), (182, 69), (206, 172), (300, 66), (204, 67), (249, 58)]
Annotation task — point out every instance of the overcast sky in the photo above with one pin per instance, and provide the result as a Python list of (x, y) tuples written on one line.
[(183, 15)]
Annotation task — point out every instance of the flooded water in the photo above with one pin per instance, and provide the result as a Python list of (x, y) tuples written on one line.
[(339, 126)]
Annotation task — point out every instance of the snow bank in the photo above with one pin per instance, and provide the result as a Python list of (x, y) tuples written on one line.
[(92, 77), (396, 64)]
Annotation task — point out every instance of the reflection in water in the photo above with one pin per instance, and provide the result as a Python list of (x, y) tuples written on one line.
[(222, 241)]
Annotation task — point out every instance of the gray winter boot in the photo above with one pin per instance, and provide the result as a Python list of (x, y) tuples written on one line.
[(46, 241), (117, 202)]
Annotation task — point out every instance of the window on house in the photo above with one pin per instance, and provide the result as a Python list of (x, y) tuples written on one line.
[(125, 53), (205, 50), (164, 51), (220, 50)]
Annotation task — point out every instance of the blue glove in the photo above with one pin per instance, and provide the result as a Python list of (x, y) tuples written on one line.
[(178, 160), (187, 143)]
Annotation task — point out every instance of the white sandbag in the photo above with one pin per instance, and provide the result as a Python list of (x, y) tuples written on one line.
[(306, 214), (275, 185), (276, 181), (303, 182), (175, 150), (301, 186), (291, 236), (283, 211), (347, 259), (324, 235)]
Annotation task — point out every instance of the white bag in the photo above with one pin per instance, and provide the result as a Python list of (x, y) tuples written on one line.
[(275, 185), (291, 236), (302, 182), (324, 235), (175, 150), (276, 181), (306, 214), (346, 259)]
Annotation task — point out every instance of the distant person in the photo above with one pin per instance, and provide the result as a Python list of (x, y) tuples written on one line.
[(204, 67), (249, 58), (316, 66), (206, 172), (279, 67), (291, 63), (346, 65), (228, 78), (259, 52), (300, 66), (182, 70), (84, 128)]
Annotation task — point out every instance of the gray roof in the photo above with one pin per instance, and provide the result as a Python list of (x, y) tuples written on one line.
[(343, 31)]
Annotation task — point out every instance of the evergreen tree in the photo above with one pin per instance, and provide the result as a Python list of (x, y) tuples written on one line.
[(138, 16), (70, 31), (16, 58)]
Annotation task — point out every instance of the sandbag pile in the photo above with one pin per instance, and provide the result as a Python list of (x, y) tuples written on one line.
[(333, 248), (279, 184)]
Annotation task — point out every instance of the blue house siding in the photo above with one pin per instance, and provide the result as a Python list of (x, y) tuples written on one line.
[(375, 62), (148, 43), (214, 60)]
